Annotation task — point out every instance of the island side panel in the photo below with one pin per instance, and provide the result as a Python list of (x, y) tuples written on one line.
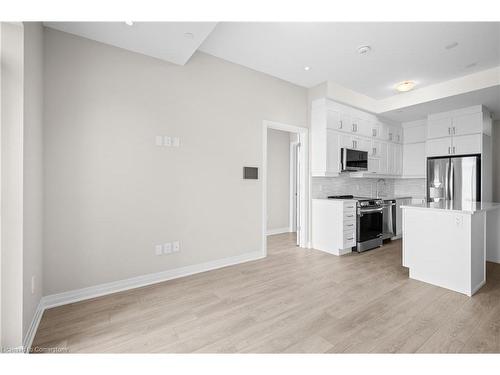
[(438, 248), (493, 236), (478, 251)]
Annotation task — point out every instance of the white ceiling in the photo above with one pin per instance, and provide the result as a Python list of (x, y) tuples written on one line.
[(163, 40), (400, 51), (489, 97)]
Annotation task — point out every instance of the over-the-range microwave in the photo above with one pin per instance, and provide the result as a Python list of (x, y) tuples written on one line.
[(353, 160)]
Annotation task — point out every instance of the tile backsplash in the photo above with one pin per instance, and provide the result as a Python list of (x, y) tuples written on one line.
[(366, 187)]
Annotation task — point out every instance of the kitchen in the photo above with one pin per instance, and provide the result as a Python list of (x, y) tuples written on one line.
[(375, 180)]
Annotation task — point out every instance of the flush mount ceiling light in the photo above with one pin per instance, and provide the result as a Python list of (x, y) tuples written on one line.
[(306, 68), (363, 50), (451, 45), (129, 23), (188, 35), (405, 86)]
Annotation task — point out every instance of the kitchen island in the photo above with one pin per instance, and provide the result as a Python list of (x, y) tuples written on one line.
[(446, 243)]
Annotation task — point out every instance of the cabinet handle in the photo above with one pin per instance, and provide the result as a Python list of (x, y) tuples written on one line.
[(374, 132), (390, 136), (340, 124), (349, 215), (449, 149), (454, 130), (350, 239), (349, 225), (374, 151), (449, 130), (453, 149)]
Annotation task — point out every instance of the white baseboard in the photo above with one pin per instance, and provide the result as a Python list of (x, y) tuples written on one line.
[(64, 298), (30, 335), (270, 232)]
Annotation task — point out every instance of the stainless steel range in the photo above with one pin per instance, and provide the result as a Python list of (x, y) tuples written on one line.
[(369, 221)]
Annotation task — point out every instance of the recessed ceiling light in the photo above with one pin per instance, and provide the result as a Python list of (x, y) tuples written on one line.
[(306, 68), (471, 65), (405, 86), (129, 23), (189, 35), (451, 45), (363, 50)]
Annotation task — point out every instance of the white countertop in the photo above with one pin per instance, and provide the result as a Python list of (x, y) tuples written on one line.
[(463, 207), (353, 199)]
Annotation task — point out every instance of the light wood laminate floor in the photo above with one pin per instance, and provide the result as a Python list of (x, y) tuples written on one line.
[(295, 300)]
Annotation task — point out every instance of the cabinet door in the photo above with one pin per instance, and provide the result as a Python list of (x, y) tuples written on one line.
[(438, 147), (376, 128), (383, 158), (374, 165), (391, 163), (466, 144), (414, 159), (375, 149), (363, 144), (347, 141), (334, 120), (468, 124), (333, 151), (438, 128), (398, 157)]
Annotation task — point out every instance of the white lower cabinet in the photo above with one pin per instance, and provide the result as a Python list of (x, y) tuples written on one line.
[(334, 225)]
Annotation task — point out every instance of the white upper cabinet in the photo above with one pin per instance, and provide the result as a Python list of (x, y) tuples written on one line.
[(440, 127), (470, 120), (414, 148), (335, 126), (471, 123), (458, 132)]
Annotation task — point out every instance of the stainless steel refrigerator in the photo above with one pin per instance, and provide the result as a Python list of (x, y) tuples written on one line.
[(455, 179)]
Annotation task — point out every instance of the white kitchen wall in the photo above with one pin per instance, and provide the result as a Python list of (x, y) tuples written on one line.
[(362, 187), (111, 194), (413, 187), (278, 181), (366, 187), (496, 160)]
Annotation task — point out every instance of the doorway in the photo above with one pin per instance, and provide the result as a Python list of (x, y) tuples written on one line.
[(285, 182)]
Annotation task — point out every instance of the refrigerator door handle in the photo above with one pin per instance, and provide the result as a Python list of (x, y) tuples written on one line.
[(451, 182)]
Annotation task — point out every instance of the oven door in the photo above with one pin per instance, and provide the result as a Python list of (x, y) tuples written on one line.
[(354, 160), (370, 224)]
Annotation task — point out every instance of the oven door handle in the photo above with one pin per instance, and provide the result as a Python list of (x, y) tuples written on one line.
[(371, 210)]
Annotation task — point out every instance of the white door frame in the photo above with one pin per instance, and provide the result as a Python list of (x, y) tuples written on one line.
[(304, 181)]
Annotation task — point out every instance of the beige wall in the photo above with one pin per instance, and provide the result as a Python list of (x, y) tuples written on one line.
[(33, 169), (12, 184), (278, 180), (111, 194)]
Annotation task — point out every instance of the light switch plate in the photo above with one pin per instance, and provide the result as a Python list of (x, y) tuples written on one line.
[(176, 246), (158, 249), (167, 248), (167, 141)]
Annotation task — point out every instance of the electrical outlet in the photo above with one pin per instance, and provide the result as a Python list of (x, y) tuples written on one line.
[(167, 248), (167, 141), (176, 142), (158, 249), (176, 246), (159, 140), (33, 284)]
